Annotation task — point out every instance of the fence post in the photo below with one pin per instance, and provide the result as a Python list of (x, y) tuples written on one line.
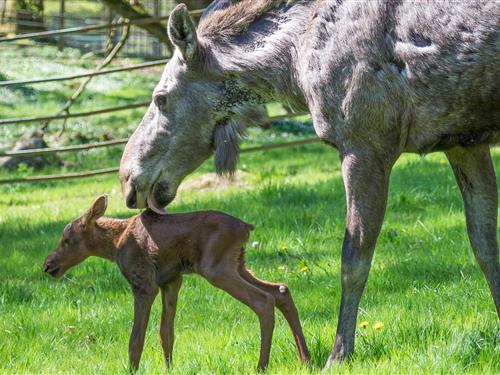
[(110, 37), (60, 44), (156, 42), (4, 10)]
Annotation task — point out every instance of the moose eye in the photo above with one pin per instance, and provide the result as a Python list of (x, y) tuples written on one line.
[(160, 101)]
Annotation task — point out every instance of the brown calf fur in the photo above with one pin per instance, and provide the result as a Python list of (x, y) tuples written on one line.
[(153, 252)]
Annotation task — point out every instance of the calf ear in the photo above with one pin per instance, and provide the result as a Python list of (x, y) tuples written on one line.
[(182, 32), (97, 209)]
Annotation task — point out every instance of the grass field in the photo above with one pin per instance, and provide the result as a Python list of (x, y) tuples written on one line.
[(425, 288)]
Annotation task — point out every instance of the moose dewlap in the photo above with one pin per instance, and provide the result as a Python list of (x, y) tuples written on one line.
[(154, 251)]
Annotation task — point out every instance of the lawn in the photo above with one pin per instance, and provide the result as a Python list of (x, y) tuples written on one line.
[(425, 288)]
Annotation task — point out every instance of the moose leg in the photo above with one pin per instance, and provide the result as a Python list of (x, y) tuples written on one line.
[(169, 294), (285, 304), (366, 180), (260, 302), (142, 308), (475, 175)]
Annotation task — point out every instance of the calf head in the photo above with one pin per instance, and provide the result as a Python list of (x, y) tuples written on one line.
[(77, 241)]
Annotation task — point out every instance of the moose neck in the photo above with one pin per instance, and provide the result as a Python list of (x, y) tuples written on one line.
[(262, 59), (107, 236)]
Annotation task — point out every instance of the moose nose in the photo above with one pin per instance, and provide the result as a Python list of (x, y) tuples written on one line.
[(129, 192), (131, 198)]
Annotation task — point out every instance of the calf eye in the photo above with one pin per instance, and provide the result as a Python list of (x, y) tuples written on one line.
[(160, 101)]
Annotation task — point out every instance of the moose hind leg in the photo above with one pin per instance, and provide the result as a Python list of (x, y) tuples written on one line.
[(285, 304), (169, 293), (262, 303), (475, 176)]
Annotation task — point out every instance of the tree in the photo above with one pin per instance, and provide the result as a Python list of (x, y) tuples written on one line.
[(29, 15), (133, 10)]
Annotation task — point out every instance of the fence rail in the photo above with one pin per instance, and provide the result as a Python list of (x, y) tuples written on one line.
[(117, 142), (83, 75), (22, 120), (32, 179), (84, 29), (72, 148)]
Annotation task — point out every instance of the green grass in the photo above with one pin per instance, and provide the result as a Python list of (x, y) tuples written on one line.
[(425, 286)]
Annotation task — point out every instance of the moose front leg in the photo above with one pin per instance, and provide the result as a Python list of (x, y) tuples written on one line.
[(366, 179), (142, 309), (169, 295)]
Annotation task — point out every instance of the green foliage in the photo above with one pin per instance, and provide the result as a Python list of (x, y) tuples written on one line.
[(34, 6)]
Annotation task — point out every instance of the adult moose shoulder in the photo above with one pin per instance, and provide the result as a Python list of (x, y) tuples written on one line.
[(379, 78)]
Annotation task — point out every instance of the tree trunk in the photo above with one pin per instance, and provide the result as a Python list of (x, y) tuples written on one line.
[(29, 16), (132, 12)]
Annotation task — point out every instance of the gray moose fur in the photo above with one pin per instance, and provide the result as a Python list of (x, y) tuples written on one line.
[(379, 78)]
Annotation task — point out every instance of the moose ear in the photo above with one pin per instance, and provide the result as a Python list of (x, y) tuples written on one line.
[(97, 209), (182, 32)]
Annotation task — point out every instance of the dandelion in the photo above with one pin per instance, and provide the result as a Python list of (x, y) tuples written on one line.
[(363, 324), (378, 326), (304, 269), (442, 161)]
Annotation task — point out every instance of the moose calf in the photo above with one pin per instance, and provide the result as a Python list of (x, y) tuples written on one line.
[(154, 251)]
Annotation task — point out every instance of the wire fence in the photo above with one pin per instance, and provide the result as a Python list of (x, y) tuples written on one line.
[(66, 115)]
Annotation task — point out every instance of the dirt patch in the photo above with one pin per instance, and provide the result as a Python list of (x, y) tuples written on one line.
[(212, 181)]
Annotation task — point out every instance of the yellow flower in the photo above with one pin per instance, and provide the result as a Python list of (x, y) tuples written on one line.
[(442, 161), (281, 268), (304, 269), (363, 324), (378, 326)]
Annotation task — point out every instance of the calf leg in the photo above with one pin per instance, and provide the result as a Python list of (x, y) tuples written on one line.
[(285, 304), (366, 181), (262, 303), (142, 308), (475, 175), (169, 294)]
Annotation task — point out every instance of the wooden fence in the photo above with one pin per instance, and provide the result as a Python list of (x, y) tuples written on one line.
[(65, 115), (95, 32)]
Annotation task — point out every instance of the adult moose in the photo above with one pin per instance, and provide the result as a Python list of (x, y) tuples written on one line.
[(379, 78)]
